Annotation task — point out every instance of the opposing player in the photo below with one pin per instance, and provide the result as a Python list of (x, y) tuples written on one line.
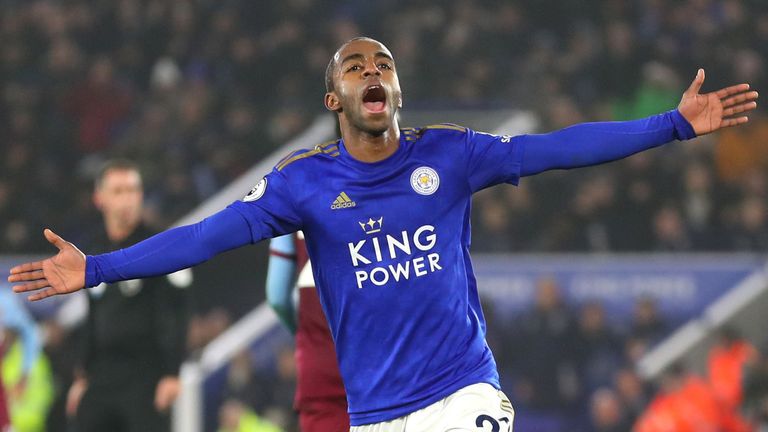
[(391, 259), (320, 398)]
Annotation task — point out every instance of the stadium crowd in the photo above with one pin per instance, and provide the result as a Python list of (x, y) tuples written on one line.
[(197, 91), (579, 371)]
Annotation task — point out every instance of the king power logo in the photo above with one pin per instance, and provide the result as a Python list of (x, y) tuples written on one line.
[(409, 255)]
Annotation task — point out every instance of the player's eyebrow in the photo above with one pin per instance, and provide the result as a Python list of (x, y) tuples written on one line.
[(383, 54), (358, 56)]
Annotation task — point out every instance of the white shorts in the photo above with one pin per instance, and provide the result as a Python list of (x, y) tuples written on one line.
[(475, 408)]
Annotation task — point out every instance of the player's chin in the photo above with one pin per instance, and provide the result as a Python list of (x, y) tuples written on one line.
[(375, 124), (376, 127)]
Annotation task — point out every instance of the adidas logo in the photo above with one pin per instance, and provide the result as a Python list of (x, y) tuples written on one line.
[(342, 201)]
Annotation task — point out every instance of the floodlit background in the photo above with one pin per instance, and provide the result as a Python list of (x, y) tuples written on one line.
[(608, 290)]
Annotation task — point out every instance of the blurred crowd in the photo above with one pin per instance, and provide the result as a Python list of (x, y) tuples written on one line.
[(571, 367), (197, 91)]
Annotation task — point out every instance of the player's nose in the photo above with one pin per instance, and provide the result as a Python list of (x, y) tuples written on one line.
[(371, 69)]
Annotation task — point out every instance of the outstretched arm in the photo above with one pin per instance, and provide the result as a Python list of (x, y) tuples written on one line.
[(169, 251), (280, 279), (595, 143)]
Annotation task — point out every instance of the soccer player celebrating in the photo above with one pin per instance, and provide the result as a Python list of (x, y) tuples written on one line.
[(385, 212)]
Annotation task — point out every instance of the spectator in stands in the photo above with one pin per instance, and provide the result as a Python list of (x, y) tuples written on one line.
[(587, 222), (245, 384), (597, 348), (670, 232), (698, 206), (647, 322), (494, 223), (205, 327), (637, 190), (98, 105), (265, 389), (726, 365), (740, 152), (547, 374), (751, 230), (607, 413), (632, 393), (727, 362), (684, 403), (524, 214), (655, 93)]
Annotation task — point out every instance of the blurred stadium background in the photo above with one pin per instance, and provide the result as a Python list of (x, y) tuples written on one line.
[(609, 291)]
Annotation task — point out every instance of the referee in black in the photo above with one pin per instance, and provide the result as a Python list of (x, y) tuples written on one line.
[(135, 332)]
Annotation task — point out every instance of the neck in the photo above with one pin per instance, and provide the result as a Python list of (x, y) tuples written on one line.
[(366, 147), (118, 231)]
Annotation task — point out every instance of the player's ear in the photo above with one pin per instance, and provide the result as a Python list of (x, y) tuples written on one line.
[(332, 102), (400, 101)]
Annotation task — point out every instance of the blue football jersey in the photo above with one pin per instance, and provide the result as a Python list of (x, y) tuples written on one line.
[(390, 246)]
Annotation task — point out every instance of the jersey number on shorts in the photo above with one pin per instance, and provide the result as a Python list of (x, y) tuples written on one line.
[(495, 426)]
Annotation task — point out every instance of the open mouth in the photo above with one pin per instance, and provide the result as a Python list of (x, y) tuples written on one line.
[(375, 99)]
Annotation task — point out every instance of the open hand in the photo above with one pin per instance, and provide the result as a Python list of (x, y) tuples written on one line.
[(61, 274), (711, 111)]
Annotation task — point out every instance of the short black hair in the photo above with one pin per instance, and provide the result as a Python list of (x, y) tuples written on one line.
[(114, 164), (331, 68)]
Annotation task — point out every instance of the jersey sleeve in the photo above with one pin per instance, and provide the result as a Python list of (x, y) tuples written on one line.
[(265, 212), (492, 159), (268, 208), (588, 144), (280, 276)]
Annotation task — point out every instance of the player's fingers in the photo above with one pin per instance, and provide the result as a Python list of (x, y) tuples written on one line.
[(697, 82), (42, 294), (725, 92), (27, 267), (734, 121), (54, 239), (749, 106), (30, 286), (733, 100), (28, 276)]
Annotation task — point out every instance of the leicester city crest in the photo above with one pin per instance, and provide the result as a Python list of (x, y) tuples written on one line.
[(425, 180)]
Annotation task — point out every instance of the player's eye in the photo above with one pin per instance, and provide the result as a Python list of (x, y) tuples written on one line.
[(385, 66), (353, 68)]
